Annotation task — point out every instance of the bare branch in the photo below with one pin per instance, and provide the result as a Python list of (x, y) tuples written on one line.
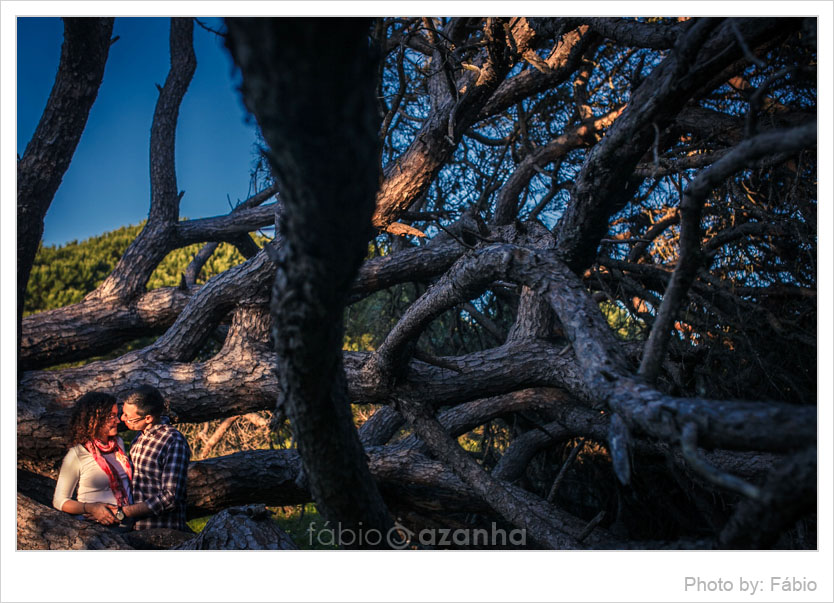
[(406, 180), (554, 529), (787, 142), (585, 134), (155, 241), (689, 443), (224, 228), (243, 242), (218, 434), (659, 36), (788, 495), (551, 494), (561, 63), (599, 190)]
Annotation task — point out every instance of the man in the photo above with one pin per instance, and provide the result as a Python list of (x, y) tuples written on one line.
[(160, 456)]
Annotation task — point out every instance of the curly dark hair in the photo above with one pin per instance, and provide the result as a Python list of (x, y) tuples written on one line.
[(90, 413)]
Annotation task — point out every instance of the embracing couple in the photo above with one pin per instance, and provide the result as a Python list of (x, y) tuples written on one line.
[(143, 490)]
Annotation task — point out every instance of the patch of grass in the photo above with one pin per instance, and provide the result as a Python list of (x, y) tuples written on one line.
[(198, 523), (303, 523)]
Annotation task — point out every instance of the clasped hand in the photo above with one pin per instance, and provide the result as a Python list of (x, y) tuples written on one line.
[(102, 512)]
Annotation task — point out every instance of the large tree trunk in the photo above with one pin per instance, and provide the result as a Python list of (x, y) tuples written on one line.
[(48, 154), (238, 528), (313, 101)]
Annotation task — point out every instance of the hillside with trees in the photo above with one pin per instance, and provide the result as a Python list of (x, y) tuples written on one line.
[(63, 274), (564, 267)]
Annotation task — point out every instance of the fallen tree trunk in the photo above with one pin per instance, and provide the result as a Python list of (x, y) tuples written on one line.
[(408, 478), (40, 527), (246, 528)]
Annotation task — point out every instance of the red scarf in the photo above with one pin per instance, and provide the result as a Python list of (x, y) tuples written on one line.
[(98, 449)]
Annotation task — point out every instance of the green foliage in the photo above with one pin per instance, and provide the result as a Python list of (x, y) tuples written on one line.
[(622, 322), (170, 270), (488, 442), (63, 275), (136, 344), (369, 320)]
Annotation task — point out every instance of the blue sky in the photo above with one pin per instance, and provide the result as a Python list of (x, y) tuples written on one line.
[(107, 184)]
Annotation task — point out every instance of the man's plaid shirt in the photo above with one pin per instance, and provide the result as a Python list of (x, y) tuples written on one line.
[(160, 457)]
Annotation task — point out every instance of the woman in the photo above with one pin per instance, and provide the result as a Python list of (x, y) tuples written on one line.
[(96, 462)]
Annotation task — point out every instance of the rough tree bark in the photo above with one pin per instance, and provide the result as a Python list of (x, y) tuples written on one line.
[(41, 527), (49, 152), (235, 528), (314, 101)]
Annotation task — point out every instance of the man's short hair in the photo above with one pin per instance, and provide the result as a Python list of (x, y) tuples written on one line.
[(147, 399)]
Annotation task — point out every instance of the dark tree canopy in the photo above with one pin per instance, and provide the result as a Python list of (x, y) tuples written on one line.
[(590, 242)]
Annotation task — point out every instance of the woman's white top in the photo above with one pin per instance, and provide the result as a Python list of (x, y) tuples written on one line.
[(80, 469)]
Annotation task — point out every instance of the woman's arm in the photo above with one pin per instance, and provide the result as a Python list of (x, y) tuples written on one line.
[(67, 481), (99, 511)]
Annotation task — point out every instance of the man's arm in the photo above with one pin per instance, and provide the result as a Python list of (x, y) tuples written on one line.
[(135, 511)]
